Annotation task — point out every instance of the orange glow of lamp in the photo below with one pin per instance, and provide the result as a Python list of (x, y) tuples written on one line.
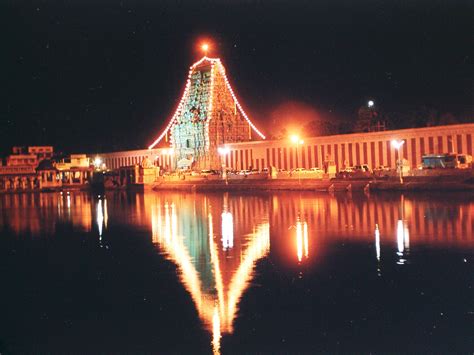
[(205, 48)]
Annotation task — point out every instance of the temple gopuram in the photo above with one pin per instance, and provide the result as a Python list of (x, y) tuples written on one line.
[(208, 116)]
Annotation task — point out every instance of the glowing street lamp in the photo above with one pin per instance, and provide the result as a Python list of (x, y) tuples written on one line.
[(297, 141), (97, 162), (397, 144), (370, 103), (167, 154), (223, 151)]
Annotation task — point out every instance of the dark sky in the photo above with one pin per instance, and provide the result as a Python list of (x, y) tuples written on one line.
[(105, 75)]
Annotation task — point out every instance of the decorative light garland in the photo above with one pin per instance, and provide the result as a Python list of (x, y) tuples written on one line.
[(173, 119), (222, 70), (210, 107), (213, 61)]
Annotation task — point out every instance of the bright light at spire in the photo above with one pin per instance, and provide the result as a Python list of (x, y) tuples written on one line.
[(205, 48)]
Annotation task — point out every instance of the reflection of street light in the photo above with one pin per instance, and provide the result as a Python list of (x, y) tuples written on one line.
[(397, 144), (403, 235), (377, 242), (227, 230), (301, 240), (377, 248)]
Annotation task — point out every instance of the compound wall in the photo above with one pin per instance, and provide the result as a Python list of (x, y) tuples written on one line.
[(374, 149)]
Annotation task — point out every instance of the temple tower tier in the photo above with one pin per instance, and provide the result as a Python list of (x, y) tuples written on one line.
[(208, 115)]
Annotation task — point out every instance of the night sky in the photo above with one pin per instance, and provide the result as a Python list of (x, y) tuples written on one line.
[(89, 76)]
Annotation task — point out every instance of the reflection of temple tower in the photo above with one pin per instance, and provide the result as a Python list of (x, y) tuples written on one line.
[(208, 115), (214, 271)]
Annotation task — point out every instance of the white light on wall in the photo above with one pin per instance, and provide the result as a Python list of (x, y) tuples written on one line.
[(397, 144), (223, 150), (97, 162)]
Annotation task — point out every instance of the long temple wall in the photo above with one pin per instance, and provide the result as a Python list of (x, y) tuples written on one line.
[(162, 157), (374, 149)]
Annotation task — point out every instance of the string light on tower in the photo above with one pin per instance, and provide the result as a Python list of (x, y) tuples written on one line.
[(210, 105), (222, 71)]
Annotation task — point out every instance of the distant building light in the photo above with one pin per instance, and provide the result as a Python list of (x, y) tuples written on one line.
[(296, 139), (397, 144), (97, 162)]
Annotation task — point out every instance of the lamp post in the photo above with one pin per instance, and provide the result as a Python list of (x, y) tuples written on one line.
[(169, 152), (97, 163), (297, 141), (397, 144), (223, 151)]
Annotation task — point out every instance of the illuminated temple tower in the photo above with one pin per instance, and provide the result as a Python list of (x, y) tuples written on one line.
[(208, 115)]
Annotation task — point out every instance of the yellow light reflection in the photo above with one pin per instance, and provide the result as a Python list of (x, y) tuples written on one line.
[(301, 240), (216, 333), (305, 238), (400, 237), (406, 237), (227, 230), (99, 217), (377, 242), (68, 202), (403, 240), (258, 248), (106, 215)]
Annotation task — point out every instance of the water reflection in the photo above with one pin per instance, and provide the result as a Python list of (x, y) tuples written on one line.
[(425, 220), (100, 218), (215, 277), (403, 241), (216, 240), (301, 240), (377, 242), (227, 230), (37, 214), (227, 225)]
